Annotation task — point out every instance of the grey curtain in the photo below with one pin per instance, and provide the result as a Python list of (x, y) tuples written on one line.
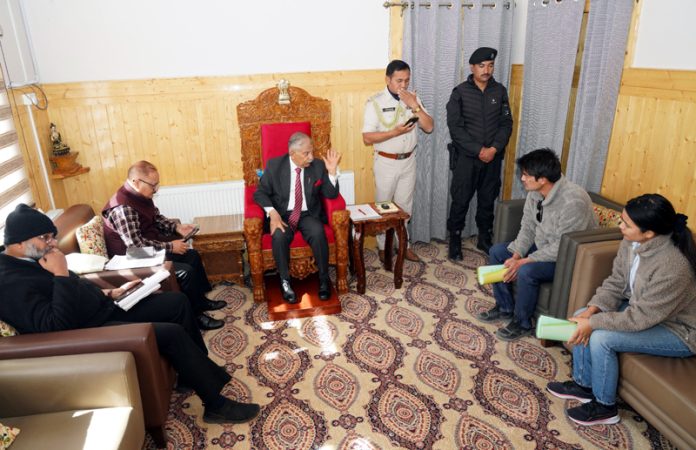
[(431, 47), (598, 89), (551, 43), (486, 27), (437, 44)]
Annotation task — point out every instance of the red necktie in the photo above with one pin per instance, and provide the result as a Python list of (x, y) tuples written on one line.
[(297, 209)]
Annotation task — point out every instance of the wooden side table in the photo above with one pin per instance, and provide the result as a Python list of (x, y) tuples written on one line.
[(221, 243), (388, 223)]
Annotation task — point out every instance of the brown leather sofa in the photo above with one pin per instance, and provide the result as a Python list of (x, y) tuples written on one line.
[(155, 375), (660, 389), (553, 296), (89, 401)]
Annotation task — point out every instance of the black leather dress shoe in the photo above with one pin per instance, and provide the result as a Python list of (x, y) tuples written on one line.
[(208, 323), (212, 305), (324, 289), (288, 294)]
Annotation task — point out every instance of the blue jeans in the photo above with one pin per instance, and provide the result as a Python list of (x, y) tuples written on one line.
[(529, 277), (597, 365)]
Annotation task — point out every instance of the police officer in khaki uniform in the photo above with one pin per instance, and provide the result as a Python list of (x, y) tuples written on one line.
[(386, 127)]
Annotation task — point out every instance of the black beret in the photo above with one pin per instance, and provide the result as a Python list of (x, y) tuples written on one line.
[(482, 54), (25, 223)]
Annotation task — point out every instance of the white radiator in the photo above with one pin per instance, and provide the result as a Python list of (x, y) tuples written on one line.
[(187, 201)]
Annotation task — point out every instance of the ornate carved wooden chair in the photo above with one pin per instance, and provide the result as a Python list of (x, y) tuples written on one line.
[(265, 125)]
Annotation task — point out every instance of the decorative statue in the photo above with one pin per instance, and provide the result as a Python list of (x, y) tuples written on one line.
[(283, 94), (59, 149)]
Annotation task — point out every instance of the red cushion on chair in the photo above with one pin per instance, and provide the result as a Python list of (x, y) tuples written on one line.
[(297, 240), (251, 208), (275, 137)]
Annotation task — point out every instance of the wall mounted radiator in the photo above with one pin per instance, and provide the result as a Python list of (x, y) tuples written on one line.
[(187, 201)]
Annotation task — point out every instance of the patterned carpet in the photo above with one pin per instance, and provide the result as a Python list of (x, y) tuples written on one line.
[(408, 368)]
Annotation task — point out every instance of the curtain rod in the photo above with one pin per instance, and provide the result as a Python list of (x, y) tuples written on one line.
[(450, 5)]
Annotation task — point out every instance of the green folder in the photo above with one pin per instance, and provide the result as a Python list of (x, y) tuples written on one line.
[(554, 329), (491, 274)]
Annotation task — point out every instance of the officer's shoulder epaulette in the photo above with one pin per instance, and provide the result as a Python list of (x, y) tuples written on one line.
[(375, 97)]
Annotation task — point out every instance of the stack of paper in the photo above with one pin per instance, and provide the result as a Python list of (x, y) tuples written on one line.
[(85, 263), (150, 285), (123, 262), (491, 274), (362, 212), (554, 329)]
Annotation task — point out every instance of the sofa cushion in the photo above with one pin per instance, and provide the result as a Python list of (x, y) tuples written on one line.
[(96, 429), (6, 329), (606, 217), (7, 436), (90, 237)]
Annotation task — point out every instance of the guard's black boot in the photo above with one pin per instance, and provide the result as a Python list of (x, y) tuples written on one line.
[(455, 246), (484, 242)]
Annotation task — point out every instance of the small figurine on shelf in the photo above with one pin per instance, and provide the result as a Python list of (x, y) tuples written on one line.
[(59, 149), (63, 162)]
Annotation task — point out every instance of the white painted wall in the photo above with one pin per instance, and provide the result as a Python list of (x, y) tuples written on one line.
[(86, 40), (667, 35)]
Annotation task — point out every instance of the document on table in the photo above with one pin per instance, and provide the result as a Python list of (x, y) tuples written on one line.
[(85, 263), (362, 212), (148, 286), (123, 262)]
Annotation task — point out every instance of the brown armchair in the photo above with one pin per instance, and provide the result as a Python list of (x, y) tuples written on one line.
[(660, 389), (155, 375), (303, 113), (89, 401)]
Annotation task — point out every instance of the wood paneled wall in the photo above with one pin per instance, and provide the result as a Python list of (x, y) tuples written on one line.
[(188, 127), (653, 142), (515, 97)]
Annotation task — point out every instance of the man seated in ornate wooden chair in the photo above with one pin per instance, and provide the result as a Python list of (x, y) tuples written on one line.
[(290, 191), (266, 127)]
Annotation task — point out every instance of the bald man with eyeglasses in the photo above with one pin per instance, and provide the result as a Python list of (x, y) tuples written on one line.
[(131, 219)]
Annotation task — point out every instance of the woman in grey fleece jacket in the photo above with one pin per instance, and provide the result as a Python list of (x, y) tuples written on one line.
[(647, 305)]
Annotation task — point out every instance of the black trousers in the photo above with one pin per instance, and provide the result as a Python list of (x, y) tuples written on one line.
[(471, 175), (192, 278), (312, 230), (178, 340)]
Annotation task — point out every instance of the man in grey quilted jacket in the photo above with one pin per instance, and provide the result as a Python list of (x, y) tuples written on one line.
[(554, 206)]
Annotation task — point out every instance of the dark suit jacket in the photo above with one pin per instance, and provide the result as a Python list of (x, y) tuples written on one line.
[(274, 186)]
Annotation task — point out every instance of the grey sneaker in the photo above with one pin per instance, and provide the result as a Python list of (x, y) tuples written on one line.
[(570, 390), (494, 314), (513, 331)]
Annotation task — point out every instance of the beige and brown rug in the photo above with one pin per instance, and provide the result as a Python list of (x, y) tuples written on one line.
[(408, 368)]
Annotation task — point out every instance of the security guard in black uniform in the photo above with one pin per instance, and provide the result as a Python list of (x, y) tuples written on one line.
[(480, 124)]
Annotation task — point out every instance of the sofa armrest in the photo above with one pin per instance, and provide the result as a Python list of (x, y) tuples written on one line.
[(155, 376), (68, 382), (109, 279), (566, 261), (508, 219), (593, 264)]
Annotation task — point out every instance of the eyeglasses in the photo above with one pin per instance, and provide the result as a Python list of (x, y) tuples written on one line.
[(153, 186), (540, 211), (48, 237)]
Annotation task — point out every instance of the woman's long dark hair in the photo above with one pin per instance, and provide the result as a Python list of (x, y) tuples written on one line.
[(654, 212)]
